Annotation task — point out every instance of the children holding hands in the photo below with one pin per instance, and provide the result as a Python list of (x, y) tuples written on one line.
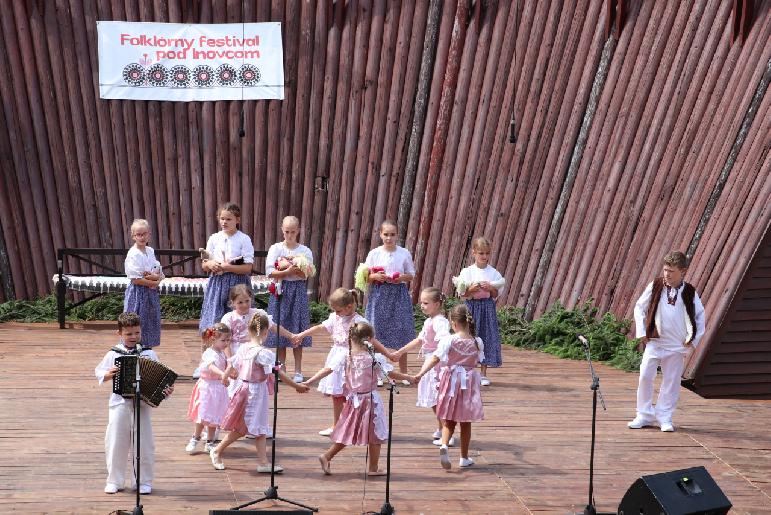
[(247, 412), (459, 399), (362, 420)]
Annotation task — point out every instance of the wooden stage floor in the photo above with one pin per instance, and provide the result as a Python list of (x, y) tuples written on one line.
[(532, 451)]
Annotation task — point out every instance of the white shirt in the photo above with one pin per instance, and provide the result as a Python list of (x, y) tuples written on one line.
[(224, 248), (109, 361), (671, 320), (400, 260), (279, 250), (473, 274), (338, 327), (138, 262)]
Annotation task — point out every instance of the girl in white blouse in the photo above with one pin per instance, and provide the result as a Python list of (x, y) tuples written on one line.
[(144, 273), (389, 306), (295, 309), (231, 255), (479, 285)]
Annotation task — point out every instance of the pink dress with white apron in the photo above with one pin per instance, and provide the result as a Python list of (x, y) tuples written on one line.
[(460, 399), (209, 399), (338, 328), (363, 419), (247, 412), (434, 329)]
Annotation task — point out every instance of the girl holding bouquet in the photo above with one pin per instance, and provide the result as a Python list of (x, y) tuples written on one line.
[(479, 285), (290, 264), (389, 270)]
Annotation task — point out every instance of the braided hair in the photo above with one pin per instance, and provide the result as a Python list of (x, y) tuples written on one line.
[(359, 333), (258, 323), (461, 315)]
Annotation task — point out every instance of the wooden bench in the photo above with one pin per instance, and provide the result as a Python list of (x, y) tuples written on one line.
[(115, 281)]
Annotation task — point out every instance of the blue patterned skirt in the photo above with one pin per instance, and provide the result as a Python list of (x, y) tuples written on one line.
[(217, 296), (389, 310), (295, 312), (146, 303), (486, 321)]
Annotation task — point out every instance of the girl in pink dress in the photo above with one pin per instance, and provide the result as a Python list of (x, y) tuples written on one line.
[(435, 328), (343, 303), (241, 299), (363, 420), (247, 412), (210, 397), (459, 400)]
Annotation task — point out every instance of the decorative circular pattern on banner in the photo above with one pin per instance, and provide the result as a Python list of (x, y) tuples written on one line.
[(157, 75), (203, 76), (134, 75), (180, 76), (249, 75), (226, 75)]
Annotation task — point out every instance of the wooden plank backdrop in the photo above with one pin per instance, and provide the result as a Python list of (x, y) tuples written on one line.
[(625, 148)]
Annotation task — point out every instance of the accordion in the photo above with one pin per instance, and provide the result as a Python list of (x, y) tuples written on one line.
[(155, 378)]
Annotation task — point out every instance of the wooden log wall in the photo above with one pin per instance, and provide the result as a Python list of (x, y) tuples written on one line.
[(403, 109)]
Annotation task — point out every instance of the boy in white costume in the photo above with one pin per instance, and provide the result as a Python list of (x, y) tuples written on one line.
[(119, 435), (669, 317)]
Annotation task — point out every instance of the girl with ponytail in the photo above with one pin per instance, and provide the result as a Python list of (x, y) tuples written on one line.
[(435, 328), (343, 303), (459, 400)]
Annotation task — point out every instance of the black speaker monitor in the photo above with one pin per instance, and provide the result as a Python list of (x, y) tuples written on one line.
[(680, 492)]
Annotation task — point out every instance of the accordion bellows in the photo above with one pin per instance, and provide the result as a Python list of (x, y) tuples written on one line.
[(155, 377)]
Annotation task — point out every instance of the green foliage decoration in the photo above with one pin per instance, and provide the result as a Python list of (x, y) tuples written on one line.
[(554, 332)]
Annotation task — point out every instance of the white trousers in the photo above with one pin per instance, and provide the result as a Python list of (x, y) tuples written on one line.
[(672, 365), (120, 444)]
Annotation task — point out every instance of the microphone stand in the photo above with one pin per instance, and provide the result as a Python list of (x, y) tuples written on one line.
[(595, 387), (271, 493), (137, 406), (386, 509)]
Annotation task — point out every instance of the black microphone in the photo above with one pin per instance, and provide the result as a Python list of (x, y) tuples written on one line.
[(513, 131)]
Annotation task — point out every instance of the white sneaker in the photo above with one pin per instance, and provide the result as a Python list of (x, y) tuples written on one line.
[(405, 382), (145, 489), (465, 462), (111, 488), (484, 381), (250, 437), (639, 422), (667, 427), (451, 443), (215, 460), (326, 432), (437, 434), (298, 378), (444, 457), (192, 444), (380, 382), (209, 446)]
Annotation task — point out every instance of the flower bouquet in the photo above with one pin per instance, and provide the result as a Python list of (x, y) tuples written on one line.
[(361, 277)]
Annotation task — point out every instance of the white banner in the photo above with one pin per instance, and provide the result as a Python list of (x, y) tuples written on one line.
[(178, 62)]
